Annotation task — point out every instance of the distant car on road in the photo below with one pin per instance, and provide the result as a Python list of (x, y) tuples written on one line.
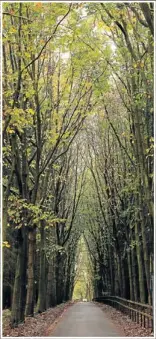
[(84, 300)]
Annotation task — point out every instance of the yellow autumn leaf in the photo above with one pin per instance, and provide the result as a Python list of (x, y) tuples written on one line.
[(100, 24), (12, 30), (10, 130), (6, 244), (107, 29)]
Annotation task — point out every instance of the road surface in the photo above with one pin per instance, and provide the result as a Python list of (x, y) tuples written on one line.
[(85, 319)]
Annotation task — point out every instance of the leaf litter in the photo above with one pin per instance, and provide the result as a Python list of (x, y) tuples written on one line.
[(38, 326), (124, 323)]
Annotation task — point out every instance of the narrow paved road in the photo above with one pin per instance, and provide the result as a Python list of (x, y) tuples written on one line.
[(85, 319)]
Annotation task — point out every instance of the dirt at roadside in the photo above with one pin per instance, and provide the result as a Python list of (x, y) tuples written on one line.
[(123, 322), (36, 326)]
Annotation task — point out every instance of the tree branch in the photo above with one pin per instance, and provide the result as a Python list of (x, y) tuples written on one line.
[(44, 46)]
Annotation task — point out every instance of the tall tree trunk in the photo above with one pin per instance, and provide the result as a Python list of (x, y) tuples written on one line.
[(140, 265), (67, 279), (60, 271), (111, 270), (119, 274), (134, 268), (31, 264), (19, 291), (41, 303), (130, 275), (146, 254), (51, 284), (123, 282)]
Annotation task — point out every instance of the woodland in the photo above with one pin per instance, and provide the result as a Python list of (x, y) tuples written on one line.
[(77, 153)]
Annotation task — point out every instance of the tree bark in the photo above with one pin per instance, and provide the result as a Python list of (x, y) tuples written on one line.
[(19, 290), (140, 266), (51, 284), (31, 264), (41, 303)]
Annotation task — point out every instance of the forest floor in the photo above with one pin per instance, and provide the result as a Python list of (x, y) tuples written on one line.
[(122, 321), (42, 324), (37, 326)]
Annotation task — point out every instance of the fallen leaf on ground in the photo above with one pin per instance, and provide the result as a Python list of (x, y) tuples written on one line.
[(124, 323), (37, 326)]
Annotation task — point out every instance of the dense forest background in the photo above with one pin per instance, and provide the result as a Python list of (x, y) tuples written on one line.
[(77, 153)]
